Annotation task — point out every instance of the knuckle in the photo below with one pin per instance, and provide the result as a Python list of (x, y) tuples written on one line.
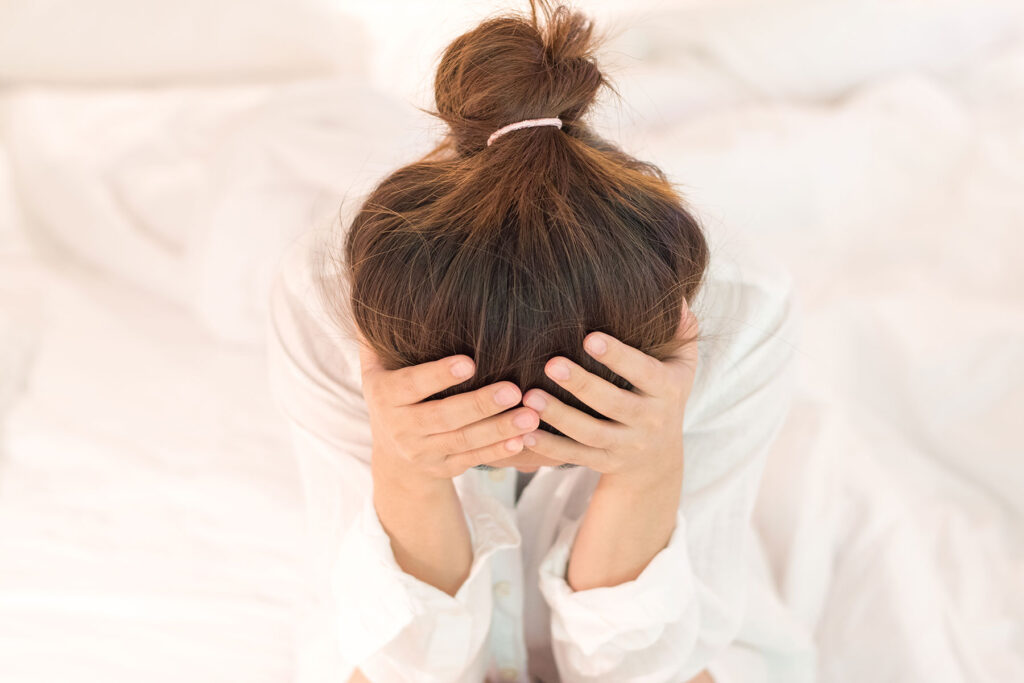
[(648, 419), (602, 438), (432, 417), (482, 402), (458, 441), (498, 450), (507, 427), (418, 419), (652, 368), (631, 406), (414, 383), (402, 436), (411, 450), (442, 418)]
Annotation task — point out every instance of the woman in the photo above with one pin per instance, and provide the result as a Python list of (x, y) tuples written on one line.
[(475, 514)]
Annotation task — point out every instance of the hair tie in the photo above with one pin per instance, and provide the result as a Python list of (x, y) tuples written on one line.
[(529, 123)]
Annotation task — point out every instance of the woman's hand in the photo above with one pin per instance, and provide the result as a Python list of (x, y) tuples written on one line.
[(642, 439), (441, 438)]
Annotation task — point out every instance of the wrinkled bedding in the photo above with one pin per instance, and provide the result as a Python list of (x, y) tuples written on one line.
[(150, 513)]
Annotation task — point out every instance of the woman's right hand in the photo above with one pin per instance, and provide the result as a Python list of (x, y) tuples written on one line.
[(440, 438)]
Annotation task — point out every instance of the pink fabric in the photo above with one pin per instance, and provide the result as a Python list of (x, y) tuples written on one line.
[(529, 123)]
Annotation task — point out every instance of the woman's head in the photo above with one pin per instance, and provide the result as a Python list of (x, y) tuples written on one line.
[(512, 253)]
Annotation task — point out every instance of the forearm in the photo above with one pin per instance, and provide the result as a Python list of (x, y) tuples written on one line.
[(428, 530), (626, 524), (359, 677), (622, 530)]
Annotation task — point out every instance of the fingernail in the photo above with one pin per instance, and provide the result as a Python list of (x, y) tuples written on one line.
[(512, 445), (535, 401), (596, 345), (559, 370), (523, 420), (462, 368), (506, 396), (529, 439)]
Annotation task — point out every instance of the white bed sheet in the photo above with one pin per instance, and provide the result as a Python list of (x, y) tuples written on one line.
[(150, 513)]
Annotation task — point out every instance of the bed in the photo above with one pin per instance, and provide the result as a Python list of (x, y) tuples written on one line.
[(151, 520)]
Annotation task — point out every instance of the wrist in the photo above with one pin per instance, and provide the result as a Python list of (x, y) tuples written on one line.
[(406, 481), (630, 518), (642, 482)]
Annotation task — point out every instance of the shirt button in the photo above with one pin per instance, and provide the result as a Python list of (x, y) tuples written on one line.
[(498, 475), (509, 673), (503, 588)]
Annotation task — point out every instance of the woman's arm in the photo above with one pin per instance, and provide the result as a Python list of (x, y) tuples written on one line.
[(624, 528), (428, 531), (396, 558), (615, 616), (635, 525)]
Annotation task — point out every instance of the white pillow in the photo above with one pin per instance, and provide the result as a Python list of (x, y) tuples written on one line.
[(144, 41)]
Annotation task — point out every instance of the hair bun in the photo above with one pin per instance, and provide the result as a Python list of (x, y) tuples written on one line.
[(516, 67)]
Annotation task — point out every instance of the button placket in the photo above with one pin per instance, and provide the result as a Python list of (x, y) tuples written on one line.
[(505, 642), (502, 487)]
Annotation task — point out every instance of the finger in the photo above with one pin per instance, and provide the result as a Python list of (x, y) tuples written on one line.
[(415, 383), (572, 422), (564, 449), (484, 432), (611, 401), (460, 410), (368, 359), (686, 357), (643, 371), (492, 453), (526, 458)]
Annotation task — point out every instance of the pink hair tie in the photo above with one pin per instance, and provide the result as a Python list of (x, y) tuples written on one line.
[(529, 123)]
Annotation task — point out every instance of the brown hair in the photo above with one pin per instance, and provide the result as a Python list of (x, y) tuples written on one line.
[(513, 253)]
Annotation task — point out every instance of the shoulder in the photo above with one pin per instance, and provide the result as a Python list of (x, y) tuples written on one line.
[(305, 266), (312, 347), (746, 297), (310, 290), (749, 322)]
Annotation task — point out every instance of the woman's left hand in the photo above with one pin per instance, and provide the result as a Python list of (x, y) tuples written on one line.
[(642, 440)]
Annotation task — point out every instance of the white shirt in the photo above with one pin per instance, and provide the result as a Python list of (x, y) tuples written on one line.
[(515, 618)]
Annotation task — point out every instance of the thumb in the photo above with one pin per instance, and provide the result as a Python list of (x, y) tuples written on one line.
[(689, 329), (368, 359)]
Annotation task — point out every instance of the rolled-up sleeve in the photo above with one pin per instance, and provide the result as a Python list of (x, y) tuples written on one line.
[(398, 627), (686, 606), (388, 623)]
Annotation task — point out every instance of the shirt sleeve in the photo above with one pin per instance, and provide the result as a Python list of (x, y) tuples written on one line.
[(388, 623), (686, 606)]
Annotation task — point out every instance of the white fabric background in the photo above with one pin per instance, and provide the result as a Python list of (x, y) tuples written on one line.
[(149, 509)]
